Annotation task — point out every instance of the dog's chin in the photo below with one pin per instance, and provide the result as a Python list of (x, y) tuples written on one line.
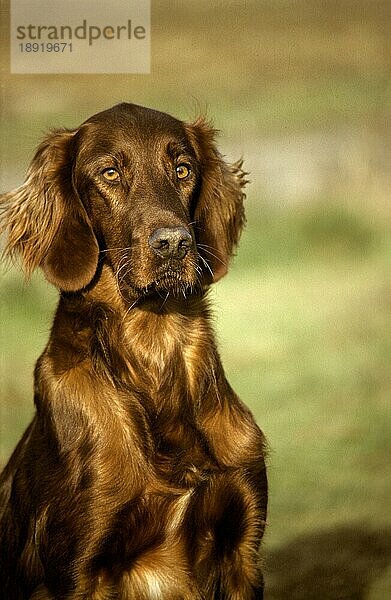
[(168, 283)]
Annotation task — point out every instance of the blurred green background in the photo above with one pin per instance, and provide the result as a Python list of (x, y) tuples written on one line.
[(302, 90)]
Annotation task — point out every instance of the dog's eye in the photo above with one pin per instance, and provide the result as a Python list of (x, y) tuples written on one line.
[(110, 174), (182, 171)]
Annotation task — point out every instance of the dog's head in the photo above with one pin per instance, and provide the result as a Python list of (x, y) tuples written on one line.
[(132, 187)]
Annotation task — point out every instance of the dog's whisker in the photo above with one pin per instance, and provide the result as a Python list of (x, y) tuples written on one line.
[(130, 307), (122, 265), (207, 265), (165, 299), (119, 248), (204, 248)]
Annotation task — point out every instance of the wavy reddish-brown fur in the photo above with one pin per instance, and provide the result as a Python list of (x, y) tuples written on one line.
[(142, 474)]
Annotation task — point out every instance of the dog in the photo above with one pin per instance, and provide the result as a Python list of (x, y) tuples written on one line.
[(142, 475)]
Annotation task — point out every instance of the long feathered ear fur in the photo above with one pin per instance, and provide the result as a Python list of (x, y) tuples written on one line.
[(219, 212), (45, 222)]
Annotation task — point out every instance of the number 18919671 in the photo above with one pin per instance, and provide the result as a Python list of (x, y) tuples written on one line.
[(46, 47)]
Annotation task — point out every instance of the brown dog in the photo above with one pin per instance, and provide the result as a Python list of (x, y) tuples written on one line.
[(142, 475)]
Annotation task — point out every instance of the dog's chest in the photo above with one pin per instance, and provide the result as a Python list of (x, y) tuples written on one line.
[(147, 542), (172, 351), (145, 556), (182, 456)]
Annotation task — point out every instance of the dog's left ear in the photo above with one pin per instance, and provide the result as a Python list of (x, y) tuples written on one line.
[(219, 211), (46, 222)]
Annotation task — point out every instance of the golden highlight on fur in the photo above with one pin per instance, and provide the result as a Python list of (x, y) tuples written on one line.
[(142, 475)]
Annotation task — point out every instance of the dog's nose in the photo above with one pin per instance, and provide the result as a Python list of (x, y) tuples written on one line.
[(171, 242)]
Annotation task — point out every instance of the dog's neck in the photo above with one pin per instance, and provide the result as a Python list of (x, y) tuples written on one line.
[(154, 336)]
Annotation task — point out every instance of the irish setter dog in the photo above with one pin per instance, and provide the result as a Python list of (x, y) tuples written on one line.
[(142, 475)]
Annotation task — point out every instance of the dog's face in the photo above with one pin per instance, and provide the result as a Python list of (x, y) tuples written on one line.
[(137, 175), (137, 189)]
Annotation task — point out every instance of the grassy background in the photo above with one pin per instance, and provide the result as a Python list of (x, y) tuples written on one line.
[(302, 90)]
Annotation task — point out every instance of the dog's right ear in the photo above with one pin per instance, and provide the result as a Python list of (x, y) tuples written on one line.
[(45, 220)]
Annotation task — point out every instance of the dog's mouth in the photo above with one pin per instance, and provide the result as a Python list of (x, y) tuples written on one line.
[(173, 281), (170, 280)]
